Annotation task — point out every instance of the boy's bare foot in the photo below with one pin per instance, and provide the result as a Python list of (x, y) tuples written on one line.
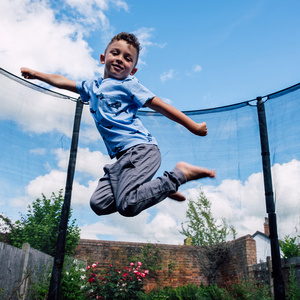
[(177, 196), (193, 172)]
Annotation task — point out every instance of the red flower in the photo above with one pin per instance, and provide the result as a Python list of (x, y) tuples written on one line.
[(92, 279)]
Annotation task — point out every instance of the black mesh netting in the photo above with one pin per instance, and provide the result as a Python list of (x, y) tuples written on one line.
[(35, 132)]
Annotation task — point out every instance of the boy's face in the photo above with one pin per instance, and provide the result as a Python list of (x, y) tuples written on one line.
[(119, 60)]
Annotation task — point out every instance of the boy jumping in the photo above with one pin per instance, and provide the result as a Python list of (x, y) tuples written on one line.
[(127, 186)]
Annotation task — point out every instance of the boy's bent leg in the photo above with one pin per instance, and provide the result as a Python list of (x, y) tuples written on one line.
[(103, 201), (130, 179)]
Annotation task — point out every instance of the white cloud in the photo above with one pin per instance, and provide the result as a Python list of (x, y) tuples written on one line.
[(144, 36), (40, 41), (167, 75), (38, 151), (34, 111), (197, 68), (242, 204), (44, 38), (121, 4), (87, 162)]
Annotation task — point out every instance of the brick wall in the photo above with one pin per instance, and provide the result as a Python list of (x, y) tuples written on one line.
[(186, 261)]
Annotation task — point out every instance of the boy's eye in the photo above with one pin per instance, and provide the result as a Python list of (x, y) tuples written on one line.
[(128, 58), (114, 52)]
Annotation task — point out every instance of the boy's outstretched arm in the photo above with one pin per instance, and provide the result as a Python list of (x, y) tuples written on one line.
[(176, 115), (56, 80)]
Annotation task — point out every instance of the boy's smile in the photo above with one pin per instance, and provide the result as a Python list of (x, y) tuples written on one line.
[(119, 60)]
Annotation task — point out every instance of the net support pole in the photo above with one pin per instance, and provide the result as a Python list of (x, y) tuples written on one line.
[(61, 240), (279, 292)]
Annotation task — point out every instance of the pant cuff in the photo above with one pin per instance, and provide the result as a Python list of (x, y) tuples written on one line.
[(179, 175)]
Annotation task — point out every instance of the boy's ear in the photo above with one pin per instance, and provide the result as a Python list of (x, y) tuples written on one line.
[(133, 71), (102, 59)]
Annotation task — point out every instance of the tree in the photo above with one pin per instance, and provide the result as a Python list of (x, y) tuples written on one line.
[(289, 247), (201, 226), (203, 230), (40, 226), (6, 227)]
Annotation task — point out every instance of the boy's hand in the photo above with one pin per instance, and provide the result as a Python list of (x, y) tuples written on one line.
[(56, 80), (200, 129), (28, 73)]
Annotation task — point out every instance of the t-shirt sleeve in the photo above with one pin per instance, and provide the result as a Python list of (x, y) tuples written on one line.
[(83, 90), (140, 94)]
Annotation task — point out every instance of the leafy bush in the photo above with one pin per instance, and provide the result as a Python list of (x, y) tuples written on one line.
[(238, 289), (294, 288), (112, 283), (72, 284), (151, 258), (116, 284), (289, 247), (40, 226), (73, 281), (247, 289)]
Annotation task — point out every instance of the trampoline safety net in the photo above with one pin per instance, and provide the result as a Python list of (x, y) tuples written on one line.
[(36, 129)]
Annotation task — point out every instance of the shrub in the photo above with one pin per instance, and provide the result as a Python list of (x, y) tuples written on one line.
[(247, 289), (188, 292), (72, 283), (289, 247), (294, 288), (152, 260), (116, 284)]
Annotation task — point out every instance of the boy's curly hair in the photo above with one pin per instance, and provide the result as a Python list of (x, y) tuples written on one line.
[(130, 38)]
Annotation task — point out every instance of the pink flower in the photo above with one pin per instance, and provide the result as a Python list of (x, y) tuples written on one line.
[(92, 279), (143, 275), (94, 266), (139, 263), (131, 264), (88, 267), (146, 272)]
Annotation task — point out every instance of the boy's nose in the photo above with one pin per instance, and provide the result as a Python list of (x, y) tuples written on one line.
[(119, 60)]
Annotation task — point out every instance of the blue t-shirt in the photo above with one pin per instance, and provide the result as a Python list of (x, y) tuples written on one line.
[(114, 105)]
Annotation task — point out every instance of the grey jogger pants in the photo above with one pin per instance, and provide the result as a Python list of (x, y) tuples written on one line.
[(127, 187)]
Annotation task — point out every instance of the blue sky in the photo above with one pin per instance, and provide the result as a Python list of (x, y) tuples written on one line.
[(196, 55)]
